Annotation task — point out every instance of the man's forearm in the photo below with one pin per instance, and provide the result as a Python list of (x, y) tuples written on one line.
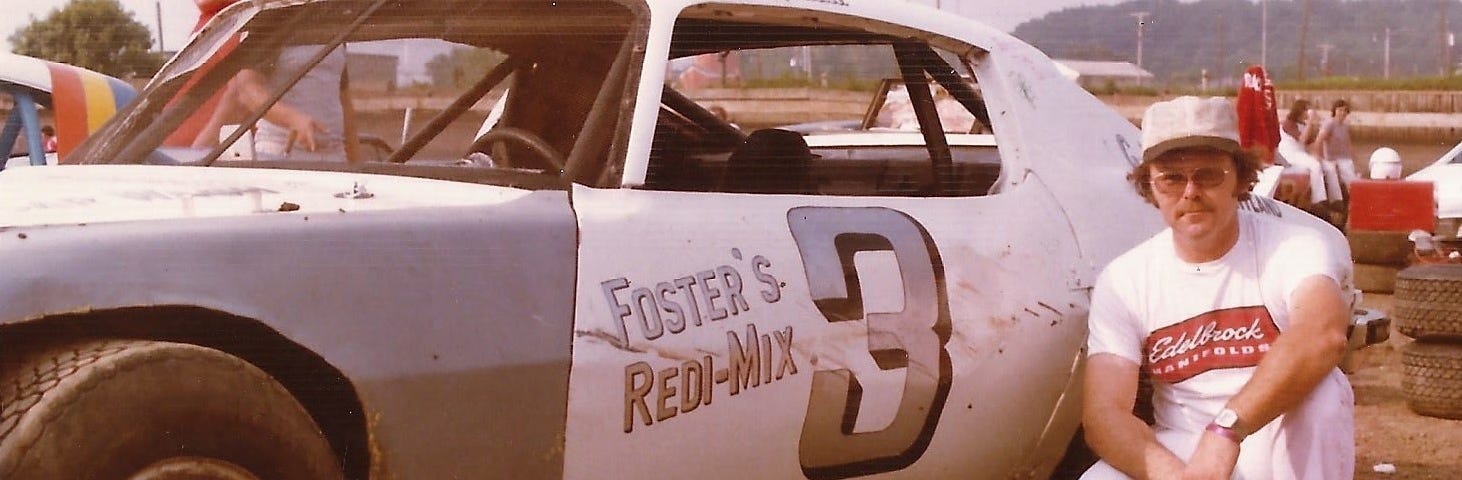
[(1288, 373), (1129, 445), (1298, 359)]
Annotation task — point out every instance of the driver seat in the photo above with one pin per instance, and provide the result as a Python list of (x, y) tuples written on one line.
[(772, 161)]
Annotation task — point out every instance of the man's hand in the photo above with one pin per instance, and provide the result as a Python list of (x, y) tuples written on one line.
[(302, 129), (1214, 459)]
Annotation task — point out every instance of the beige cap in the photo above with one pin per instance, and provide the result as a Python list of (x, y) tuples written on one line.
[(1185, 122)]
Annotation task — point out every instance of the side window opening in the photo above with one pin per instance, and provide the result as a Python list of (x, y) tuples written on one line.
[(879, 114), (488, 92)]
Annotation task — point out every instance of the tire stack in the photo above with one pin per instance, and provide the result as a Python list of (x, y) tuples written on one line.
[(1428, 308), (1382, 214)]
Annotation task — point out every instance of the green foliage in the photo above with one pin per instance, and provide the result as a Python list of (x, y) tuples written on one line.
[(93, 34), (459, 69), (1183, 38), (1109, 88), (1452, 83)]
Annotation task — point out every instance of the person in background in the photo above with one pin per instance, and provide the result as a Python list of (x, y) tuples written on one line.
[(314, 119), (1336, 154), (1297, 123), (1297, 138), (48, 138), (1237, 318)]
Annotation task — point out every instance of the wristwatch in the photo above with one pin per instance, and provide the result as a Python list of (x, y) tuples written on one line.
[(1226, 425)]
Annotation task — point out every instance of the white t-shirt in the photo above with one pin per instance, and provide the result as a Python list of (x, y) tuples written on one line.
[(1200, 330), (317, 94)]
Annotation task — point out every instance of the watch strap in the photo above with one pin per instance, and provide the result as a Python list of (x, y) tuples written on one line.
[(1225, 432)]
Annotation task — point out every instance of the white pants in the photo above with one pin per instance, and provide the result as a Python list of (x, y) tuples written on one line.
[(1338, 175), (1315, 441), (1298, 158)]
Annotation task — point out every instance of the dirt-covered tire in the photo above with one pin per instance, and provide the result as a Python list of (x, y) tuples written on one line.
[(1428, 302), (1379, 247), (141, 409), (1431, 379)]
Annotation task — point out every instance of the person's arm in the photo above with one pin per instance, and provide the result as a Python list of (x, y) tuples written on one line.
[(1292, 129), (1112, 431), (252, 94), (1317, 147), (1304, 354)]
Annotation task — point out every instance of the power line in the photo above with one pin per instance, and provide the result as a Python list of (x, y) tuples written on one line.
[(1141, 26)]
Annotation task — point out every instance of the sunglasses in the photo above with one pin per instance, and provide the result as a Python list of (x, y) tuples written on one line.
[(1177, 182)]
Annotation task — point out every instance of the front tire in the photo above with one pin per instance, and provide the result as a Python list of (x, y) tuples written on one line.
[(119, 409)]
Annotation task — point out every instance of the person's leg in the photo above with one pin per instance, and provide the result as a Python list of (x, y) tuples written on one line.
[(1311, 167), (1346, 171), (1332, 180), (1317, 439)]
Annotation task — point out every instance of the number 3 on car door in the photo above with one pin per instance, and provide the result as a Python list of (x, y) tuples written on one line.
[(913, 339)]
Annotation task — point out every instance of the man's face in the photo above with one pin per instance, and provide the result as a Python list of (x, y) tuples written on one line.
[(1194, 190)]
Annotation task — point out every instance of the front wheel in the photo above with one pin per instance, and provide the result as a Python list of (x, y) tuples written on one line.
[(128, 409)]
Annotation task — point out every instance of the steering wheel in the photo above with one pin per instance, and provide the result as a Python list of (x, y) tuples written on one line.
[(528, 139)]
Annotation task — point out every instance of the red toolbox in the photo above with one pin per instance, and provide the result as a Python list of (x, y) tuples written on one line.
[(1392, 205)]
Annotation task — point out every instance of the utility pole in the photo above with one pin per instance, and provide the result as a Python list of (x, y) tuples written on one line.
[(1446, 47), (1386, 55), (1222, 66), (1325, 59), (1447, 62), (1263, 34), (1304, 37), (157, 7), (1141, 25)]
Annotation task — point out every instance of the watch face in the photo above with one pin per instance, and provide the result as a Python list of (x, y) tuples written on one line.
[(1227, 418)]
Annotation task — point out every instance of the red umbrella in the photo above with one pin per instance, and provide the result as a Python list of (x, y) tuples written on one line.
[(1258, 114), (184, 134)]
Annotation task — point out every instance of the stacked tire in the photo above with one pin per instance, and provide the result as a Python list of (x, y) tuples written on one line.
[(1428, 308)]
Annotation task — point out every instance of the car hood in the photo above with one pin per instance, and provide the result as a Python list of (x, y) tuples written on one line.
[(1447, 179), (69, 194)]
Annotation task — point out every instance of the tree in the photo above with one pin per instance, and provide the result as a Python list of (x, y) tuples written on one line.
[(94, 34), (460, 68)]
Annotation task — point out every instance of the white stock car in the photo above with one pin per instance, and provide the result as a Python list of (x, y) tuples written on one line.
[(601, 299), (1446, 174)]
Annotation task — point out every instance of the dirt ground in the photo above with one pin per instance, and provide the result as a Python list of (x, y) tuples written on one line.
[(1386, 432)]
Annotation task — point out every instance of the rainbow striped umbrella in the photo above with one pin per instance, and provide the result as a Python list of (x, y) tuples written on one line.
[(80, 100)]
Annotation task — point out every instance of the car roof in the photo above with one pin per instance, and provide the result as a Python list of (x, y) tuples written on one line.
[(40, 74), (915, 15), (27, 71)]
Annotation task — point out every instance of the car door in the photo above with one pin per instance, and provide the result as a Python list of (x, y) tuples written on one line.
[(911, 312)]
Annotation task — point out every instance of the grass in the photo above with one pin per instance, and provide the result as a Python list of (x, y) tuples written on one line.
[(1434, 83)]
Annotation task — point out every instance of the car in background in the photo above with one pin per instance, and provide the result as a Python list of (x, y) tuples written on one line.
[(1446, 175), (626, 286), (76, 100)]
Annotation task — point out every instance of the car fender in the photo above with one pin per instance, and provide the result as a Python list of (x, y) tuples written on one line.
[(479, 313)]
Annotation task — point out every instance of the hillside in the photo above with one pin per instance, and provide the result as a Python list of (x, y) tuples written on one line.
[(1183, 38)]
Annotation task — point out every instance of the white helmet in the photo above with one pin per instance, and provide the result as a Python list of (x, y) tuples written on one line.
[(1385, 164)]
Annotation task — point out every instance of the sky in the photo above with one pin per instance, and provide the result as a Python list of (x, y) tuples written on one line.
[(178, 16)]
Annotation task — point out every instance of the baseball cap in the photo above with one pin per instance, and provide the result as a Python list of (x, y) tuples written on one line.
[(1187, 122)]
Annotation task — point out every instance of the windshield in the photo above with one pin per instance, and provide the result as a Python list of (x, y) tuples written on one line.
[(357, 82)]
